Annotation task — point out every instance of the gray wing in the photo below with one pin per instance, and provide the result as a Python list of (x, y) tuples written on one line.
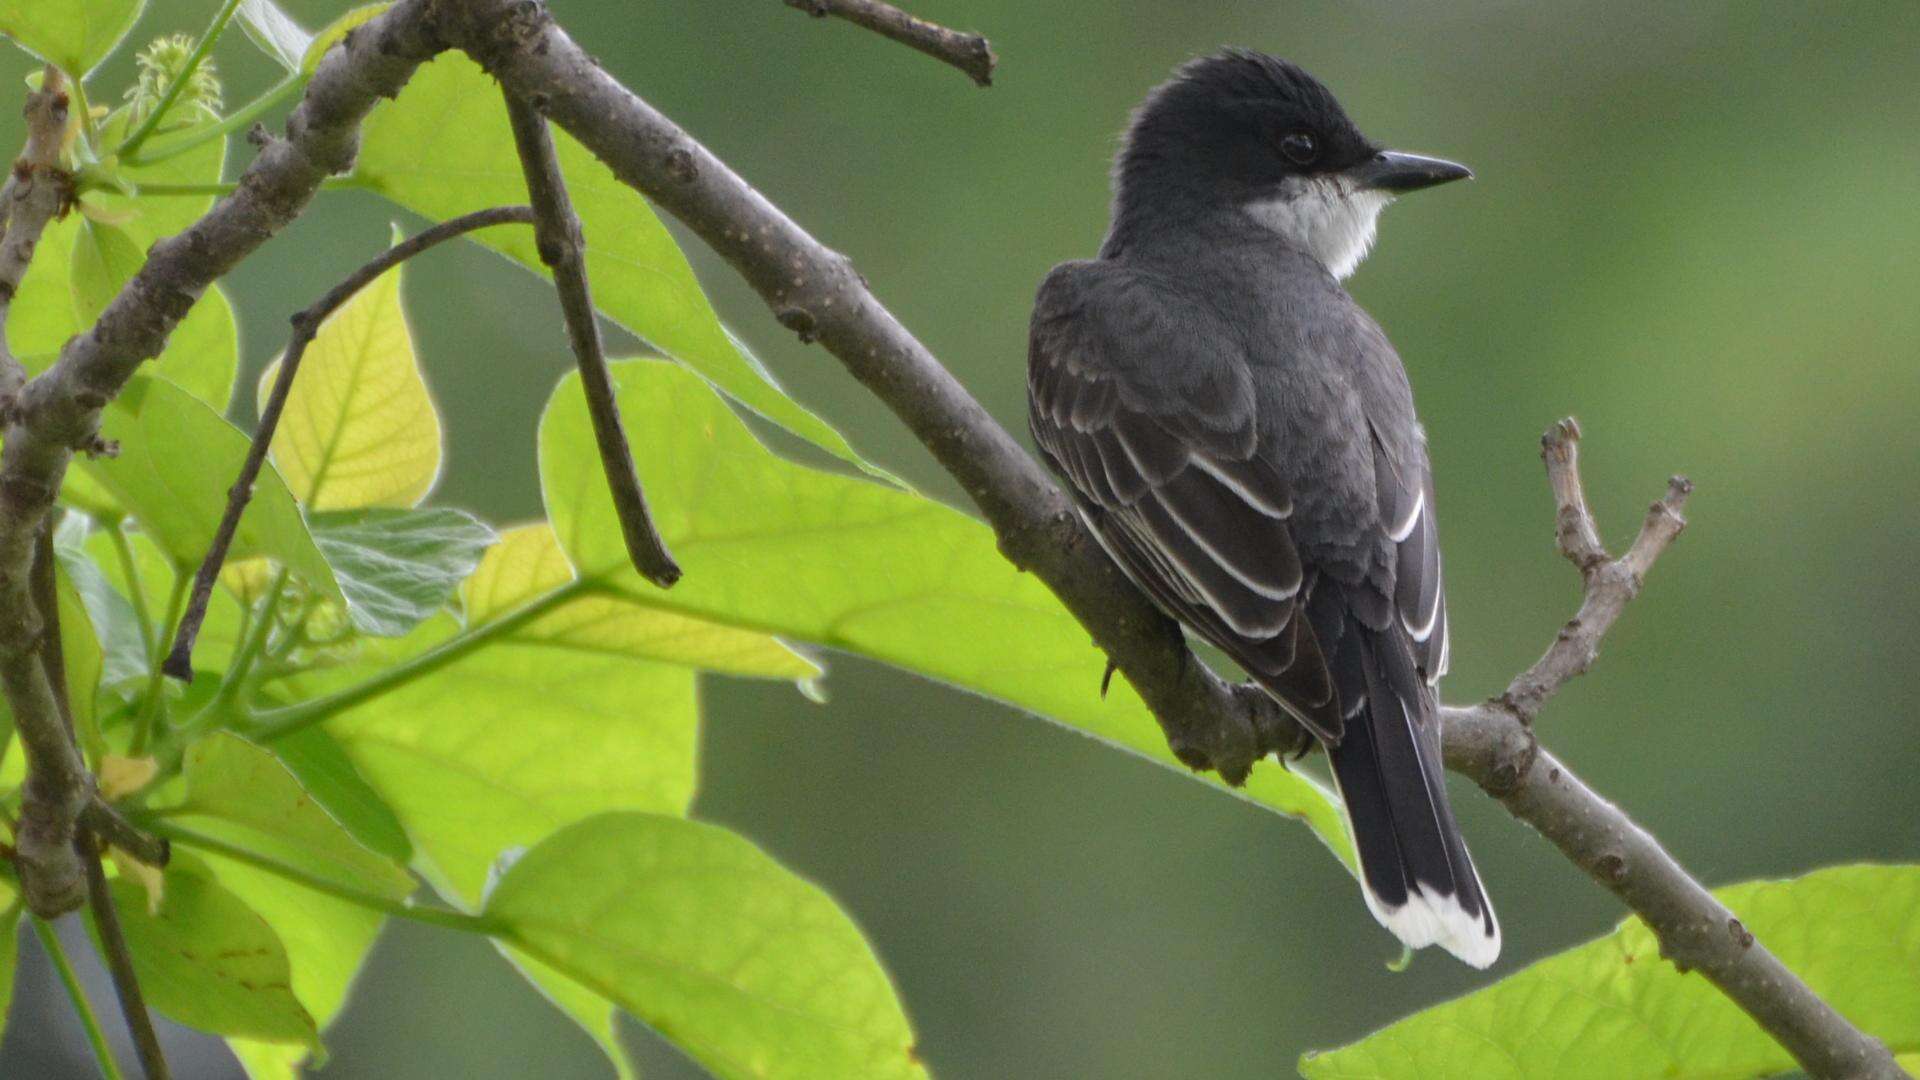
[(1147, 410)]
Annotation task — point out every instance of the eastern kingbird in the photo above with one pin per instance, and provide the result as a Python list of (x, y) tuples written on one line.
[(1241, 438)]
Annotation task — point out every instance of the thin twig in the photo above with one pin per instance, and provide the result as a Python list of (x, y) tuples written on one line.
[(970, 53), (563, 249), (126, 984), (306, 324), (104, 821)]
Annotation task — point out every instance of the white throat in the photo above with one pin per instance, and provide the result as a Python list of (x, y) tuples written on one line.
[(1326, 217)]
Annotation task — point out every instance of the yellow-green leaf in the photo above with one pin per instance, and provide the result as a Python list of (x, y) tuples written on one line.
[(359, 428), (75, 34), (752, 971), (842, 561), (528, 563), (1614, 1008)]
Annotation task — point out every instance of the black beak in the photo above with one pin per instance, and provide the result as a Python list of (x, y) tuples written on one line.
[(1393, 171)]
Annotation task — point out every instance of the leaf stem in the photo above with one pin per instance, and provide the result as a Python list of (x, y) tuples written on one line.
[(153, 703), (278, 723), (171, 148), (179, 81), (96, 1038), (444, 918), (130, 566)]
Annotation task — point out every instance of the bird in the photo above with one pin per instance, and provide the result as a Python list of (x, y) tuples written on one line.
[(1240, 436)]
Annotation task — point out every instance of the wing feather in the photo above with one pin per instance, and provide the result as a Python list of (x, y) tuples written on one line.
[(1174, 485)]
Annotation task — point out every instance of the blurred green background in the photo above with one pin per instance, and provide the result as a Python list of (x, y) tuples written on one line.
[(1696, 226)]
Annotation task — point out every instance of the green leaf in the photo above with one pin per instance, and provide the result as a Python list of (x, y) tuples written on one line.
[(860, 566), (510, 742), (398, 567), (359, 428), (527, 563), (177, 458), (275, 32), (208, 960), (1613, 1007), (75, 34), (79, 647), (323, 768), (335, 31), (202, 353), (42, 316), (327, 941), (443, 148), (749, 969), (242, 794)]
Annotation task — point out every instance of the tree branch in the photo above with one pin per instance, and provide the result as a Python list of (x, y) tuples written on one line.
[(563, 249), (57, 786), (306, 324), (970, 53)]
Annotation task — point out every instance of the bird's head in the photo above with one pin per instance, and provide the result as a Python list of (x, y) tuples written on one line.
[(1247, 133)]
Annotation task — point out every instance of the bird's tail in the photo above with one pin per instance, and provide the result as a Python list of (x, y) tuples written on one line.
[(1418, 878)]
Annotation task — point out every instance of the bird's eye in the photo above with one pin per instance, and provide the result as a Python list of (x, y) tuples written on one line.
[(1299, 148)]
